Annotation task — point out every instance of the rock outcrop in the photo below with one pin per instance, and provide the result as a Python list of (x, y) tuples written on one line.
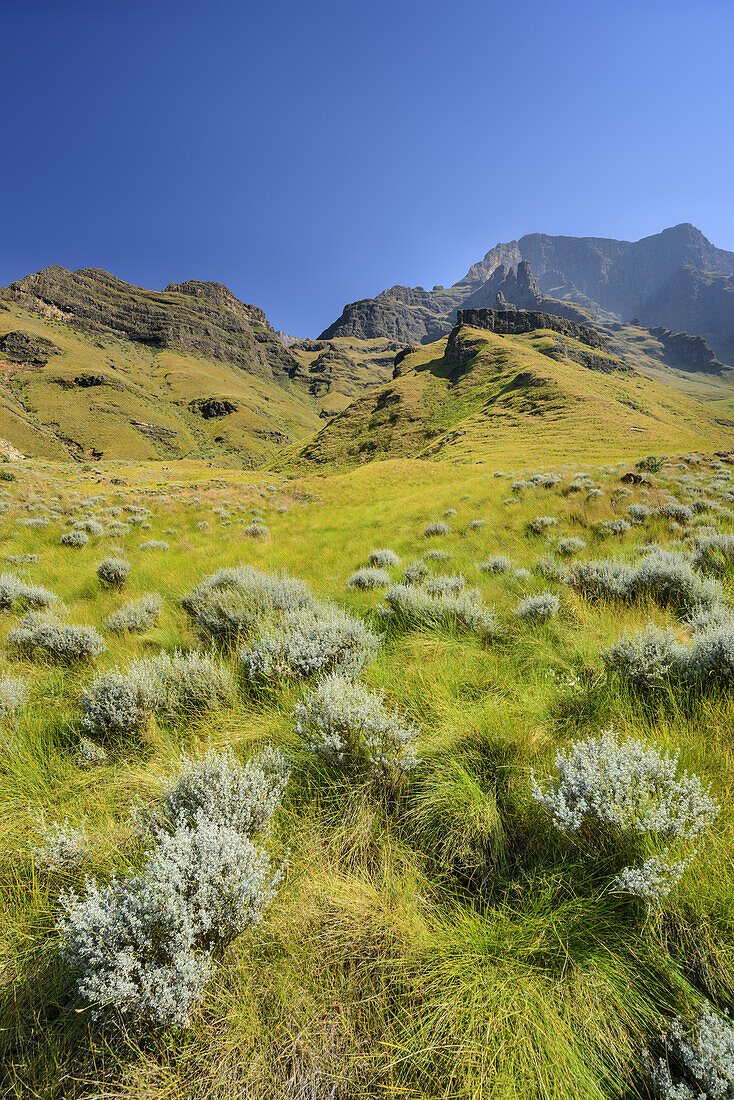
[(22, 347), (202, 318)]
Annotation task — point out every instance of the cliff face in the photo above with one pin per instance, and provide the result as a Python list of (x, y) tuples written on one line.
[(676, 278), (196, 317)]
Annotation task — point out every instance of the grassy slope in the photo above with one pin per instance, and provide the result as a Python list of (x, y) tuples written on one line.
[(443, 945), (41, 417), (510, 398), (372, 365)]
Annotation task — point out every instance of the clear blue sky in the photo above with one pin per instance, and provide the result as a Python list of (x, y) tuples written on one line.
[(311, 153)]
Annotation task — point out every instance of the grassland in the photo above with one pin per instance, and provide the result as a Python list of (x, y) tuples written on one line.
[(439, 941)]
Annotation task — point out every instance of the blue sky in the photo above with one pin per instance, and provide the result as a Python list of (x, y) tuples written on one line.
[(309, 154)]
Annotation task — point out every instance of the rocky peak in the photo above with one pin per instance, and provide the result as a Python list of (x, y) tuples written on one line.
[(198, 317)]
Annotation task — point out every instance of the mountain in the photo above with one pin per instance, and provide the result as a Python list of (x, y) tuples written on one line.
[(509, 382), (676, 279), (91, 366)]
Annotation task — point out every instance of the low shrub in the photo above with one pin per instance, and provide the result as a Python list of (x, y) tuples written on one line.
[(649, 657), (316, 639), (59, 846), (445, 583), (154, 544), (497, 564), (12, 588), (569, 546), (74, 538), (218, 787), (37, 636), (614, 527), (383, 558), (369, 577), (232, 602), (135, 616), (13, 695), (714, 555), (438, 527), (703, 1055), (113, 572), (536, 609), (348, 724), (409, 606), (540, 524), (627, 785), (416, 572)]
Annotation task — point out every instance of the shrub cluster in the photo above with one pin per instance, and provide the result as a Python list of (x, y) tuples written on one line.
[(438, 527), (135, 616), (74, 538), (540, 524), (40, 636), (12, 588), (626, 789), (145, 945), (309, 640), (369, 577), (497, 564), (120, 701), (234, 601), (349, 725), (665, 576), (384, 558), (704, 1054), (410, 606), (536, 609)]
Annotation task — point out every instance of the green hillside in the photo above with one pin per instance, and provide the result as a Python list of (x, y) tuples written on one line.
[(500, 398)]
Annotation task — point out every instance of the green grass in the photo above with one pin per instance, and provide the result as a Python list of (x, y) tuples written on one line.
[(439, 942)]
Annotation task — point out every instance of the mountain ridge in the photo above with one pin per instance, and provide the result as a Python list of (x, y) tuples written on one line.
[(676, 278)]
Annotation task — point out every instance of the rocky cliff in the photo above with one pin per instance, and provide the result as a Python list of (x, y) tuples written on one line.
[(202, 318), (675, 278)]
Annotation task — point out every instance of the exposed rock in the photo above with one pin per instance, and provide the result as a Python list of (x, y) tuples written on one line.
[(202, 318), (676, 278), (514, 322), (688, 352), (85, 380), (154, 431), (22, 347), (211, 408)]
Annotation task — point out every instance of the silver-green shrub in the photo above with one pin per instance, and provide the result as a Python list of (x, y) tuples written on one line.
[(74, 538), (536, 609), (347, 723), (135, 616), (714, 555), (614, 527), (216, 785), (416, 572), (438, 527), (12, 588), (59, 846), (384, 558), (39, 636), (409, 606), (540, 524), (704, 1054), (369, 577), (315, 639), (627, 785), (444, 583), (113, 572), (569, 546), (118, 702), (497, 564), (234, 601), (13, 695), (637, 514), (649, 657), (154, 544)]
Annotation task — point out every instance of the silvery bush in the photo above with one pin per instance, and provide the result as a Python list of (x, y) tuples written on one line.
[(346, 723)]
